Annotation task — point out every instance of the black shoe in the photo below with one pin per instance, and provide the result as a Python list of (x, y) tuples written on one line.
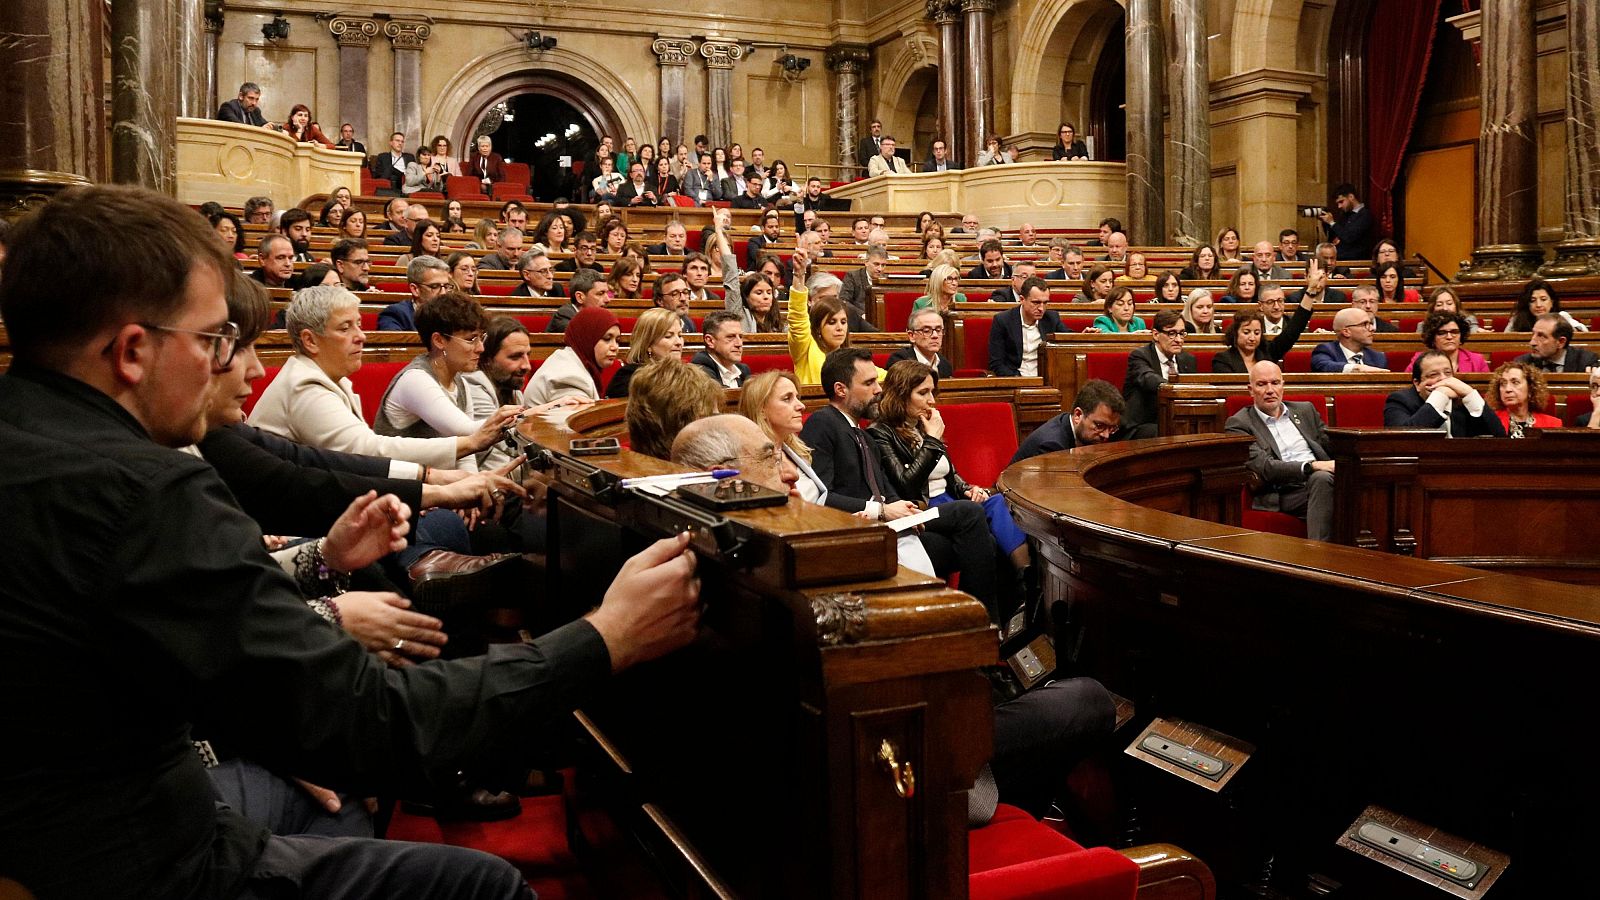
[(470, 805)]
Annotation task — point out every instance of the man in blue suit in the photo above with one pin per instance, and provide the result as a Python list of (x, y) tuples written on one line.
[(1438, 399), (427, 277), (1352, 352), (1017, 337)]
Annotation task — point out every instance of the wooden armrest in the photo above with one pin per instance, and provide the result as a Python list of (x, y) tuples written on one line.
[(1169, 872)]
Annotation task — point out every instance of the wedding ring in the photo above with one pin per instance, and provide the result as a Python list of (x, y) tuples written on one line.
[(497, 493), (399, 645)]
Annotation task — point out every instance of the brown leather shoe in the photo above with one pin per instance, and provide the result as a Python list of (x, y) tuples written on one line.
[(444, 581), (447, 562)]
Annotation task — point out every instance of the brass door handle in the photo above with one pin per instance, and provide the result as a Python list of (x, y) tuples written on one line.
[(905, 777)]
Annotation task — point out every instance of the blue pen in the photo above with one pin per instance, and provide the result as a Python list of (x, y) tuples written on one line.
[(720, 474)]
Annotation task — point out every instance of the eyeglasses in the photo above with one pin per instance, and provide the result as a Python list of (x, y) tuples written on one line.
[(929, 330), (1448, 332), (677, 294), (475, 340), (1172, 333), (442, 286), (224, 343)]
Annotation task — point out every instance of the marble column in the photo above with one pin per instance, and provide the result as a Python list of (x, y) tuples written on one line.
[(672, 54), (848, 61), (1189, 151), (213, 27), (1147, 170), (979, 71), (144, 95), (947, 15), (1508, 162), (1579, 253), (720, 57), (53, 101), (407, 37), (354, 35), (191, 41)]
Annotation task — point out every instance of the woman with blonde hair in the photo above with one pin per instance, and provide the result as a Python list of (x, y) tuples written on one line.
[(1200, 313), (486, 236), (944, 282), (657, 335)]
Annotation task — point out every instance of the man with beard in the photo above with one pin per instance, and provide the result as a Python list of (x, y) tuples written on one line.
[(1095, 419), (295, 224), (352, 262)]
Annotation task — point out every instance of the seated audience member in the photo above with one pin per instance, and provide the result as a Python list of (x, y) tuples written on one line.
[(994, 153), (1020, 272), (909, 434), (244, 109), (228, 229), (314, 274), (1389, 278), (925, 330), (1138, 270), (939, 158), (430, 397), (1118, 317), (1589, 419), (423, 174), (824, 288), (1228, 245), (1316, 286), (1445, 332), (724, 340), (426, 240), (584, 254), (944, 290), (1328, 254), (1549, 347), (1149, 367), (1017, 336), (816, 328), (347, 140), (671, 292), (750, 197), (391, 165), (1200, 313), (1289, 246), (701, 183), (503, 369), (514, 215), (463, 271), (394, 217), (1353, 231), (258, 211), (284, 679), (664, 396), (1518, 394), (588, 289), (352, 261), (607, 185), (731, 441), (406, 228), (1241, 287), (485, 165), (1116, 244), (508, 250), (1365, 298), (1539, 298), (1203, 265), (779, 189), (843, 459), (312, 402), (1352, 350), (627, 278), (538, 276), (1443, 299), (675, 243), (771, 225), (993, 265), (295, 224), (577, 369), (1097, 284), (1247, 343), (1095, 418), (657, 335), (1068, 147), (752, 296), (551, 233), (697, 271), (275, 258), (663, 184), (1438, 399), (857, 288), (1071, 262), (885, 162), (637, 191), (426, 277), (354, 225), (1290, 459)]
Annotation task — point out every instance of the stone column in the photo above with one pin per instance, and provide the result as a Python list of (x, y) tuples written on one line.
[(1579, 254), (979, 70), (52, 102), (191, 44), (947, 15), (355, 35), (213, 26), (673, 55), (848, 61), (407, 38), (1508, 162), (720, 57), (1189, 152), (1147, 170), (144, 95)]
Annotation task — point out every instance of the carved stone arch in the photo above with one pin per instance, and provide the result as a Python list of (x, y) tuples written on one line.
[(1059, 35), (899, 115), (604, 100), (1263, 30)]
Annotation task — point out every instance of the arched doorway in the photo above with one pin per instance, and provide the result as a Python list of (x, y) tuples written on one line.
[(1108, 103), (549, 134)]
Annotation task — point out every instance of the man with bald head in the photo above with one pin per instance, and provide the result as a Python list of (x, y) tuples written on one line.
[(1352, 352), (1289, 457), (1264, 263), (735, 442)]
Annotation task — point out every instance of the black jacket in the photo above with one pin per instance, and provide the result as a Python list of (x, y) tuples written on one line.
[(836, 459), (709, 366), (1005, 339), (1272, 348), (1354, 232), (1056, 434), (945, 367), (383, 168), (1145, 378), (908, 469), (1407, 409)]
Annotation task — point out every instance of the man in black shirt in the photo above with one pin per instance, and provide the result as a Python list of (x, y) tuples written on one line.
[(139, 599)]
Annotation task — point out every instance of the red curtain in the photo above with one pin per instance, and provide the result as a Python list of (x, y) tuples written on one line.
[(1399, 44)]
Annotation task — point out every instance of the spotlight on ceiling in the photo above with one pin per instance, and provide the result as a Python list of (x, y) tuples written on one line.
[(795, 64), (277, 29), (538, 43)]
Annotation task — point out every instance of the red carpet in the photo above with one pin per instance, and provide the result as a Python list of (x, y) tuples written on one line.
[(535, 842)]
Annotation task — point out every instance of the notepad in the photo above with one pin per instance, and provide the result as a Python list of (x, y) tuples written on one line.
[(912, 521)]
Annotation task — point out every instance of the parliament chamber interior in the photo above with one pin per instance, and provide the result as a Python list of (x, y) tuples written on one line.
[(1007, 449)]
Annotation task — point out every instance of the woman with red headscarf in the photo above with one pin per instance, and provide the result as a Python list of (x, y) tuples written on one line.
[(575, 370)]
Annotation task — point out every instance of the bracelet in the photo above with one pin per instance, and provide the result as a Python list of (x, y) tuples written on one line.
[(425, 471)]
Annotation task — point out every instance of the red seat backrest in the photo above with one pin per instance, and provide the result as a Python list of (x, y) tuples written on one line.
[(1235, 402), (627, 323), (369, 321), (1202, 359), (370, 381), (608, 374), (522, 173), (1112, 367), (1320, 323), (463, 186), (976, 330), (982, 439), (1409, 324), (496, 289), (897, 309), (1577, 405), (535, 324), (1358, 410), (272, 372), (767, 362), (1498, 358), (1015, 857), (1297, 361), (1077, 323)]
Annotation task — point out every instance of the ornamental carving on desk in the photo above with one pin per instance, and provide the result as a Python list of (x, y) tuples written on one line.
[(841, 618), (673, 51), (353, 31), (721, 54), (408, 35)]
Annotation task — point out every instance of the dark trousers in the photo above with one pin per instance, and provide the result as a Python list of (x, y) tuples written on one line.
[(283, 807), (323, 868), (1312, 501), (959, 541), (1042, 735)]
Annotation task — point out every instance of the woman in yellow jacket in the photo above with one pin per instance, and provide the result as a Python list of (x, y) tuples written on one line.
[(815, 329)]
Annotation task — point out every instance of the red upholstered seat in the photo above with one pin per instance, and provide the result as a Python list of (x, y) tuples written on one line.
[(680, 200), (1498, 358), (1297, 361), (1015, 857), (1577, 405), (1236, 402), (1112, 367), (496, 289), (391, 287), (522, 173), (463, 187), (881, 360), (1358, 410), (505, 190), (1322, 323), (1077, 323), (768, 362), (370, 381), (897, 310), (1202, 359), (627, 323), (1408, 324), (1267, 520), (272, 372), (426, 195), (370, 186), (535, 324), (369, 321), (982, 439), (976, 353), (608, 374), (719, 204)]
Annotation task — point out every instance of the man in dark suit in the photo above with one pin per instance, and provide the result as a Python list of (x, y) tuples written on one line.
[(1352, 351), (390, 166), (926, 331), (870, 145), (993, 264), (939, 158), (842, 456), (1365, 298), (1020, 273), (724, 337), (427, 277), (1289, 246), (1437, 398), (1096, 417), (771, 226), (1017, 336), (1289, 459), (1548, 348), (1149, 367), (347, 140), (1353, 232), (246, 110), (676, 241), (857, 289)]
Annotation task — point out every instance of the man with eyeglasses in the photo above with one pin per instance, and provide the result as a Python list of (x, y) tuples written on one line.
[(538, 276), (1365, 298), (926, 331), (1020, 273), (427, 277), (1352, 351), (1096, 418), (672, 292), (1149, 367), (352, 262)]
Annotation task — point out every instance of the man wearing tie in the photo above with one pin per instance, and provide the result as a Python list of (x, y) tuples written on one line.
[(1149, 367), (486, 165), (1352, 352), (870, 145)]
